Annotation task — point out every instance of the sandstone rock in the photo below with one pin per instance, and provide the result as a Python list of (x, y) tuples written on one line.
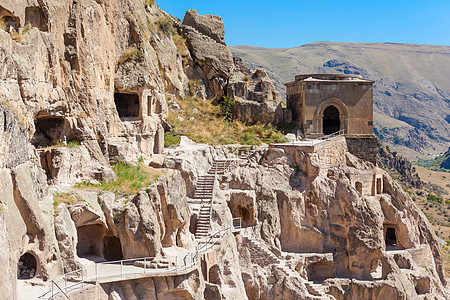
[(66, 234), (211, 26), (256, 97), (66, 166)]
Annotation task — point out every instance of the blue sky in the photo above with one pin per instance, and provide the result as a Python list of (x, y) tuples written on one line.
[(290, 23)]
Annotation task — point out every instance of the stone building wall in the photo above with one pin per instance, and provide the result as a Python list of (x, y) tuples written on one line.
[(309, 95), (363, 147)]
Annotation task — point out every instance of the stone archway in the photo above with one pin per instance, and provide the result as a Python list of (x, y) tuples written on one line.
[(331, 120), (334, 113)]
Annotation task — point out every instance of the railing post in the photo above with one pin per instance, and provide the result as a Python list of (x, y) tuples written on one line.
[(121, 268), (145, 264), (52, 290), (65, 282), (82, 280), (96, 272)]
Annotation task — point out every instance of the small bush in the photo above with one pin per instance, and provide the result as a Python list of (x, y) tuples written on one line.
[(433, 198), (171, 139), (194, 85), (226, 106), (166, 25), (149, 2), (26, 28), (131, 53)]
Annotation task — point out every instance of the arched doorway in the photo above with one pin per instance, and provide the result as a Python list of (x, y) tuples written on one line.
[(331, 121), (26, 267), (112, 248)]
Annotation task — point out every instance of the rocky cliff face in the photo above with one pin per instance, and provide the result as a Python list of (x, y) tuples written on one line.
[(393, 161), (83, 84), (324, 223)]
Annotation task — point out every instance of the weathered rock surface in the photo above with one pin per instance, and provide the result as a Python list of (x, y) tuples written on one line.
[(257, 100), (341, 213), (393, 161)]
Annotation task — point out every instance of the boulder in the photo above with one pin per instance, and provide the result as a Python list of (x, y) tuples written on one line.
[(211, 26)]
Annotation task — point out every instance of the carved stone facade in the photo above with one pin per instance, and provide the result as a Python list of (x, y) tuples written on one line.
[(322, 104)]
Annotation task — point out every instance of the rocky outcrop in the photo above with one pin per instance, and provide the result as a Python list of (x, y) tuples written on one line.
[(395, 162), (256, 98), (338, 213), (28, 244), (211, 26), (220, 72)]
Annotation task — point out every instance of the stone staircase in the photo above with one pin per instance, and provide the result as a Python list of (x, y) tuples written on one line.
[(203, 196), (263, 257)]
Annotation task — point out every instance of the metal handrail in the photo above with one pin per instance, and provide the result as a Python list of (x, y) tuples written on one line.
[(210, 241), (53, 292)]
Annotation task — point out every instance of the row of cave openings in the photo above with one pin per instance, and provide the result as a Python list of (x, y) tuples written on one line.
[(34, 16), (89, 246), (50, 129)]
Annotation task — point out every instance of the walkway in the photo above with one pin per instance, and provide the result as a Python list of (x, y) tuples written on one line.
[(103, 272)]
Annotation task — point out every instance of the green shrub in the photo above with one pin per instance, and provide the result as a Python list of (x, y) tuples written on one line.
[(226, 106), (435, 199), (131, 53), (165, 24), (171, 139)]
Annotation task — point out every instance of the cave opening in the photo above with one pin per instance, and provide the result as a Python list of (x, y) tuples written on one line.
[(320, 271), (48, 131), (244, 213), (26, 267), (391, 237), (331, 121), (112, 248), (127, 105), (10, 23), (90, 238), (35, 17)]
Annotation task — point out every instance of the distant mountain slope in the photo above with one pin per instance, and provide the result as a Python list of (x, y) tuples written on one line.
[(411, 93)]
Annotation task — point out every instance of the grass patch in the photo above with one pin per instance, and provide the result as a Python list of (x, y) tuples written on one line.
[(130, 179), (130, 54), (149, 2), (171, 139), (203, 122), (67, 198), (180, 43)]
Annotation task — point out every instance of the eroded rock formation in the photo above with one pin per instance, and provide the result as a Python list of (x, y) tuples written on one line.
[(83, 83)]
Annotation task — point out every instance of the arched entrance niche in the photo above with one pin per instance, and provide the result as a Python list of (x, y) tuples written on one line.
[(331, 122), (331, 116), (27, 266)]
